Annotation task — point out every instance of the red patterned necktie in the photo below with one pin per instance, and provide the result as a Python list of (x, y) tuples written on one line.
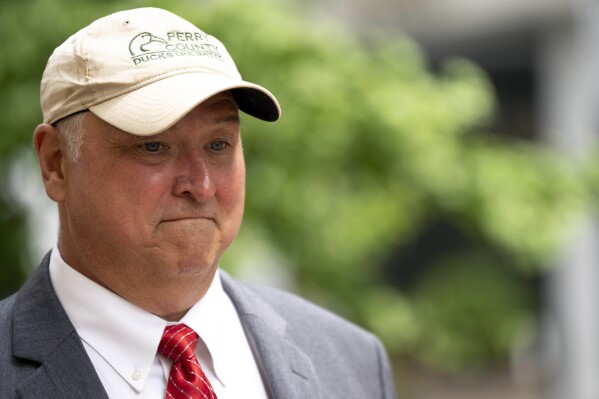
[(186, 380)]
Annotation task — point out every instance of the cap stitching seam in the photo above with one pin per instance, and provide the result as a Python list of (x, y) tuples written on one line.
[(84, 51)]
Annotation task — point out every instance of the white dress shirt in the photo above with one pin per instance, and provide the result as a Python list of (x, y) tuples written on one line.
[(121, 339)]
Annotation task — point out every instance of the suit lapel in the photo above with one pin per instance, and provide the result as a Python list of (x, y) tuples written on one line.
[(43, 334), (287, 370)]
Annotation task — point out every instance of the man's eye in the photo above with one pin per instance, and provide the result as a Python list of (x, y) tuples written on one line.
[(152, 147), (218, 145)]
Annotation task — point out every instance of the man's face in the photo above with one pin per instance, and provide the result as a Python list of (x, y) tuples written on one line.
[(143, 212)]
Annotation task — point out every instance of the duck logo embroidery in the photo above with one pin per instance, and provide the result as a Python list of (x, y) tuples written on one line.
[(145, 43), (146, 47)]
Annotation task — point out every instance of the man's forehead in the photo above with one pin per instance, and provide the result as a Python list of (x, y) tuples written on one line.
[(223, 103)]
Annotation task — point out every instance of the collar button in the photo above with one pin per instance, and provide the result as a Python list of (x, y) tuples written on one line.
[(136, 375)]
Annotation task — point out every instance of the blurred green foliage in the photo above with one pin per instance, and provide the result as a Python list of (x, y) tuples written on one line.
[(372, 148)]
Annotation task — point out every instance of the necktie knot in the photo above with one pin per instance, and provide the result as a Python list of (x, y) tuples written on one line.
[(186, 378), (178, 342)]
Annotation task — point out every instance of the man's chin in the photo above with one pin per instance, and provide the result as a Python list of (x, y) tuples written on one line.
[(196, 268)]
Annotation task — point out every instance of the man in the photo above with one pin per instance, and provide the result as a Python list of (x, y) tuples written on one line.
[(141, 150)]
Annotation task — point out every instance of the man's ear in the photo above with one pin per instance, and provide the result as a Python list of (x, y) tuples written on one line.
[(52, 160)]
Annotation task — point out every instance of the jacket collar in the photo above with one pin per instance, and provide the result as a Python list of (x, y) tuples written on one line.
[(43, 334), (287, 370)]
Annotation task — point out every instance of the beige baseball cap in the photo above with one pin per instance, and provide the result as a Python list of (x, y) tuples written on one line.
[(143, 70)]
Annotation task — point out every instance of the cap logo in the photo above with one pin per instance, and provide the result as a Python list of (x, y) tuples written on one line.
[(146, 47)]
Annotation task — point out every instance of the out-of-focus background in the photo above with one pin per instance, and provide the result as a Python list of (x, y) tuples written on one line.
[(433, 177)]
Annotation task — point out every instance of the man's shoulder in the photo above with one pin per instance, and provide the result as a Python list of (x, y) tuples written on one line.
[(304, 318), (25, 292), (337, 349), (9, 365), (7, 306)]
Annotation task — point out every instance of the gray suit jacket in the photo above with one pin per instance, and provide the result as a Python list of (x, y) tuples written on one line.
[(303, 351)]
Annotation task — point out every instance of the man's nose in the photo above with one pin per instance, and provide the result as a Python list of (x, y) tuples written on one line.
[(194, 179)]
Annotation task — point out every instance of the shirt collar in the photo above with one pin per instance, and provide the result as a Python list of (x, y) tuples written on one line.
[(139, 331), (209, 318)]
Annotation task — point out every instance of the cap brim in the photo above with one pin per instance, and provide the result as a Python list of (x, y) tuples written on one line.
[(156, 107)]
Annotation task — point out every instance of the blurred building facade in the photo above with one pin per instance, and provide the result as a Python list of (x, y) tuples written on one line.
[(543, 59)]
